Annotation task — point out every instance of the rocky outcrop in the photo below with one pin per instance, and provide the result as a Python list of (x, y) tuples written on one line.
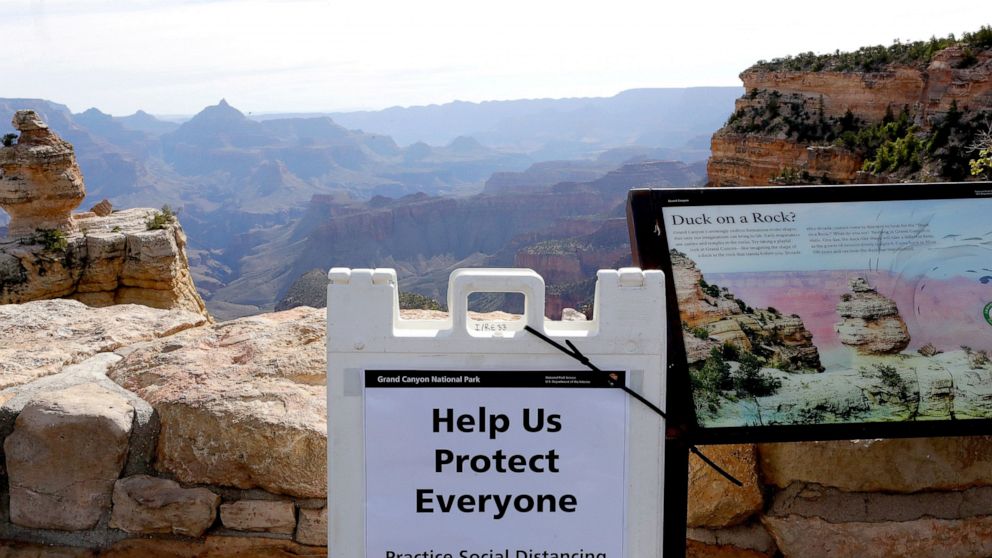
[(40, 181), (870, 322), (789, 126), (696, 307), (117, 259), (241, 403), (42, 338), (81, 452), (99, 257), (102, 209), (754, 160)]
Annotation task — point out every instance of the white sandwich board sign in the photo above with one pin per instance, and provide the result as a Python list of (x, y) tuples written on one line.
[(475, 439)]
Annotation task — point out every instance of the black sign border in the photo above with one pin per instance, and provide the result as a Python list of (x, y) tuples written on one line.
[(500, 379), (650, 251)]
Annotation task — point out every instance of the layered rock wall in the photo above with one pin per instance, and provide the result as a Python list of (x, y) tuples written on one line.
[(108, 260), (754, 160), (750, 155)]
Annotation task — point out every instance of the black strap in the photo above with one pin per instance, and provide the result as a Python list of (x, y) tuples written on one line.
[(575, 353)]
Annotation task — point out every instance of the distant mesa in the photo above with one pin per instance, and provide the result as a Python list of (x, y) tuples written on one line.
[(465, 144), (870, 323)]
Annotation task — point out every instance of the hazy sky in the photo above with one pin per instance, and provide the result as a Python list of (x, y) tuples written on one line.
[(177, 56)]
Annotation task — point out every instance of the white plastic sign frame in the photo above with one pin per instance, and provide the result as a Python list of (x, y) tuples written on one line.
[(366, 332)]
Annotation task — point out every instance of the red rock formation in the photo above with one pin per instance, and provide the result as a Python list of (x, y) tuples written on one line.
[(928, 91)]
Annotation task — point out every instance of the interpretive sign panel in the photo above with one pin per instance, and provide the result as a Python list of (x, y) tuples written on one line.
[(807, 307), (490, 464)]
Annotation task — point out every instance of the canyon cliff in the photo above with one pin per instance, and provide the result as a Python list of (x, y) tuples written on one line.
[(100, 257), (880, 114)]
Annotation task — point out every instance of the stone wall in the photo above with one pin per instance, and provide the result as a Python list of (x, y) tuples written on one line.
[(133, 431), (885, 498)]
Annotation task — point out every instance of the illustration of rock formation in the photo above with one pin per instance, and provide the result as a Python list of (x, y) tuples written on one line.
[(871, 322), (712, 316), (40, 182)]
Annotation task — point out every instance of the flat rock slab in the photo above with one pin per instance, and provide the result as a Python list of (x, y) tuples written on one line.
[(259, 516), (241, 403), (212, 547), (13, 549), (947, 538), (312, 529), (144, 504), (42, 337), (907, 465), (696, 549), (67, 449)]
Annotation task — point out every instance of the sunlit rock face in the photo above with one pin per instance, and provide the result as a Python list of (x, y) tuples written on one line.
[(40, 181)]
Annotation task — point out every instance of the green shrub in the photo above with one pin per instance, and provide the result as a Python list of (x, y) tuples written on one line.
[(700, 333), (750, 381), (968, 59), (709, 381), (981, 166), (730, 351), (161, 219), (415, 301), (981, 39), (876, 58), (53, 240), (8, 139)]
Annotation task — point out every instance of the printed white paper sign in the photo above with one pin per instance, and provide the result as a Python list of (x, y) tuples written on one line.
[(495, 464)]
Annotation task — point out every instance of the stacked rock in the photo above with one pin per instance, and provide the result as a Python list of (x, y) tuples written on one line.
[(40, 181)]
